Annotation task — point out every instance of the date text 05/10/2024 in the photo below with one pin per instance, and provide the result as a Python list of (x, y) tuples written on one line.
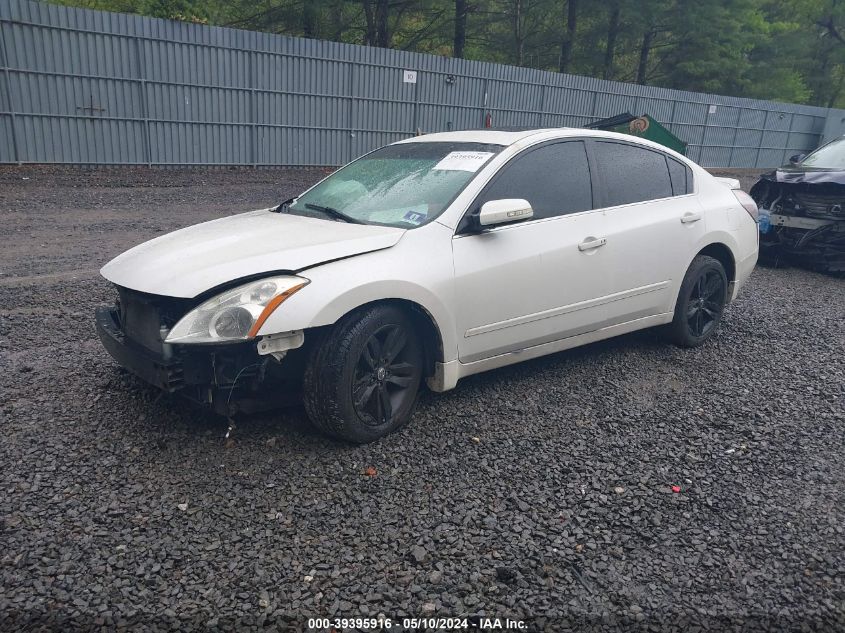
[(478, 623)]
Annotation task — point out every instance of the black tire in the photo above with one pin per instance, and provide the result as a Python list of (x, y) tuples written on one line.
[(701, 302), (361, 379)]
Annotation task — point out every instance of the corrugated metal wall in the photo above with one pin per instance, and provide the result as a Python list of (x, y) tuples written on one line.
[(81, 86)]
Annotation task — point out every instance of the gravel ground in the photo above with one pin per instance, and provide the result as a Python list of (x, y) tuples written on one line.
[(628, 484)]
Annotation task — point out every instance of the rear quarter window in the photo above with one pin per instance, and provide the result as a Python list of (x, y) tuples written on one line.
[(681, 177)]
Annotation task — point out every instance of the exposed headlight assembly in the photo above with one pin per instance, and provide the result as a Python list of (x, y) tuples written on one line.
[(237, 314)]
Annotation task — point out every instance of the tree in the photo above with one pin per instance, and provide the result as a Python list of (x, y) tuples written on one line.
[(612, 35), (459, 41), (378, 30), (569, 35), (310, 18), (772, 49)]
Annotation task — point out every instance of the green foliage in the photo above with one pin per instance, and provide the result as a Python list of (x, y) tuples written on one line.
[(769, 49)]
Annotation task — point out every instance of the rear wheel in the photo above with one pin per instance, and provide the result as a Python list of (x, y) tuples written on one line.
[(701, 301), (362, 378)]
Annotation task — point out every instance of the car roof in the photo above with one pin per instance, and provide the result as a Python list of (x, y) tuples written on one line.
[(496, 137), (505, 137), (509, 137)]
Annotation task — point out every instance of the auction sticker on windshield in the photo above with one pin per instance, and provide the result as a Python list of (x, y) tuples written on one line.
[(463, 161)]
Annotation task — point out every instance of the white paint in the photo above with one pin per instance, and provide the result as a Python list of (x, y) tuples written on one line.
[(504, 210), (194, 259)]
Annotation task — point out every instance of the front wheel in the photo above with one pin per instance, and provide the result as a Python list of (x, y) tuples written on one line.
[(701, 301), (362, 377)]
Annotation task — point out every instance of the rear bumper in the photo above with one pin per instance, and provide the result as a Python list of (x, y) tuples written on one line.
[(167, 375), (744, 268)]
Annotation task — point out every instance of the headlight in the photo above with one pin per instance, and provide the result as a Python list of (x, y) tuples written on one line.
[(236, 314)]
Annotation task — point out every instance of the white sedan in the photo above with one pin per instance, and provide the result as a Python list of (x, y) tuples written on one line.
[(432, 258)]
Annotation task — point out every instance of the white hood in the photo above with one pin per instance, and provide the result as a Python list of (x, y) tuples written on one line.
[(192, 260)]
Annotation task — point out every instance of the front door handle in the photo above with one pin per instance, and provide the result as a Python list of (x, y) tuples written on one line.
[(591, 243), (689, 218)]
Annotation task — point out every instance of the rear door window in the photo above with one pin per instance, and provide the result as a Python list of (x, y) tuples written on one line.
[(631, 174), (554, 178)]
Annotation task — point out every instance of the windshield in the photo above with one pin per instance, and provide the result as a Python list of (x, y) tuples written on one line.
[(830, 156), (402, 185)]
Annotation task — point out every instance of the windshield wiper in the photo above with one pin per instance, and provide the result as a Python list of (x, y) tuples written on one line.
[(334, 213)]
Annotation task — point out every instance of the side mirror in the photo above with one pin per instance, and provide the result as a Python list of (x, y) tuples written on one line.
[(796, 158), (504, 211)]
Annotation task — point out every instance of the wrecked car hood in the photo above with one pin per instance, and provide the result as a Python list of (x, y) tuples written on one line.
[(810, 176), (190, 261)]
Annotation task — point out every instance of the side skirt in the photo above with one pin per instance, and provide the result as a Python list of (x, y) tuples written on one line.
[(446, 375)]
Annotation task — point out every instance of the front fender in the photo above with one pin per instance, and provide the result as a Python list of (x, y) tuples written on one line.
[(419, 271)]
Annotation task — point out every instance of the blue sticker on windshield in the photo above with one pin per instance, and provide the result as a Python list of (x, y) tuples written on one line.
[(413, 217)]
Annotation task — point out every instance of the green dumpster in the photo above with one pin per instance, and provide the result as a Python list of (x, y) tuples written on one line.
[(643, 126)]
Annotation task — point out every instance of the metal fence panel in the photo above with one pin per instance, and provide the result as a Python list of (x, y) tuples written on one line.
[(83, 86), (7, 143), (61, 95), (78, 139)]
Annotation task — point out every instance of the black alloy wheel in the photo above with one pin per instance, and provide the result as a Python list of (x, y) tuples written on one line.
[(384, 376), (706, 302), (362, 376), (701, 302)]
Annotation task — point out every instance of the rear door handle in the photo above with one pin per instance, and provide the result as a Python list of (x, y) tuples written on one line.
[(590, 244), (689, 218)]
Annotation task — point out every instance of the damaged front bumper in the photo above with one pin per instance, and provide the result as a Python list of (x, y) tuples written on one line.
[(805, 241), (156, 369), (802, 220), (226, 378)]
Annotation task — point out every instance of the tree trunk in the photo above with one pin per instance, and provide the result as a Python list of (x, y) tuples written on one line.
[(460, 28), (382, 30), (338, 26), (834, 96), (645, 50), (831, 92), (612, 34), (310, 15), (518, 36), (569, 36), (820, 84), (370, 36)]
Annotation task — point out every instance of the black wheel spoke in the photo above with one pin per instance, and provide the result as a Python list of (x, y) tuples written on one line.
[(400, 374), (394, 343), (705, 303), (379, 413), (362, 393), (402, 369), (386, 375), (713, 306), (385, 405), (399, 381), (372, 352), (713, 287)]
